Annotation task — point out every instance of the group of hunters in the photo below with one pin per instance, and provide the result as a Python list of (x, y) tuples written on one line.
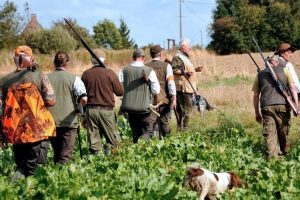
[(38, 109)]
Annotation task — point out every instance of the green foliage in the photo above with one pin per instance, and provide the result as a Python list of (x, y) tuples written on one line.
[(155, 169), (49, 41), (107, 35), (228, 31), (82, 31), (10, 25), (271, 22), (127, 43)]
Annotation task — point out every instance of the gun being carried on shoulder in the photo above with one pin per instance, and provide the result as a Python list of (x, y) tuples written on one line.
[(101, 64), (283, 89)]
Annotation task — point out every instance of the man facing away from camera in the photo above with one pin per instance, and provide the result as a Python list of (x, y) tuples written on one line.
[(140, 83), (25, 95), (274, 112), (69, 91), (101, 85), (166, 99)]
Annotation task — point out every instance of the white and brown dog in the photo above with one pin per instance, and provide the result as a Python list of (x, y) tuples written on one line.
[(208, 183)]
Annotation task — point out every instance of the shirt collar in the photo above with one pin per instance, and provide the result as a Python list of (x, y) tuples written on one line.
[(137, 64)]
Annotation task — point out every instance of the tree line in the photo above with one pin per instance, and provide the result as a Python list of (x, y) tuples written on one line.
[(60, 37), (235, 22)]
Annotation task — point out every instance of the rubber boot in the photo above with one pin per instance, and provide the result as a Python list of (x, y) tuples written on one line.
[(186, 122)]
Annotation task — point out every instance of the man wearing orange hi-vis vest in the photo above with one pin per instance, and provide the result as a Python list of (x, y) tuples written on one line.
[(26, 122)]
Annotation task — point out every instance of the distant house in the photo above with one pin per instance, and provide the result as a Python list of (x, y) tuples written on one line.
[(32, 26)]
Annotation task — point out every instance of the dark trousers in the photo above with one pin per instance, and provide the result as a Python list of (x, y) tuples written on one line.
[(30, 155), (141, 125), (184, 108), (63, 144), (276, 123), (162, 122)]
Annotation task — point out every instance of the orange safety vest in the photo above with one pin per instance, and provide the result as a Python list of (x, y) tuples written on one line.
[(26, 119)]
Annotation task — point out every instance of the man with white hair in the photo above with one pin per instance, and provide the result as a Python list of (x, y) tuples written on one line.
[(183, 69)]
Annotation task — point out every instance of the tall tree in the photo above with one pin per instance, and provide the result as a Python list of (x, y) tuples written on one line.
[(127, 43), (107, 35), (270, 21), (10, 25)]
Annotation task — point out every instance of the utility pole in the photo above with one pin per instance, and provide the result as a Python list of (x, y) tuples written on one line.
[(180, 18), (27, 11)]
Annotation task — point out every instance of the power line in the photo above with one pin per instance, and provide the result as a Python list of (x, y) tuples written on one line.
[(193, 12), (200, 3)]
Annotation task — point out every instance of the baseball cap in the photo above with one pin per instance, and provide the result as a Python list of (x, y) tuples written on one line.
[(138, 53)]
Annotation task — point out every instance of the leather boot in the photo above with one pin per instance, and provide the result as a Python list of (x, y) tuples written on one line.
[(186, 122)]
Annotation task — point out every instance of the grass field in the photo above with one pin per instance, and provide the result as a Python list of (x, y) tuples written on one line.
[(226, 139)]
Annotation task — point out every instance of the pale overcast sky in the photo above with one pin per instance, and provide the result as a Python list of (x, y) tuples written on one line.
[(149, 21)]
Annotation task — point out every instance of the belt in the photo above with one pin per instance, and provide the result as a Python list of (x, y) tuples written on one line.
[(99, 107)]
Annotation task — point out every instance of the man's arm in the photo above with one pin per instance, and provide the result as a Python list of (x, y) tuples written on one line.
[(47, 91), (258, 117), (79, 91), (117, 85), (294, 93), (171, 86), (154, 84)]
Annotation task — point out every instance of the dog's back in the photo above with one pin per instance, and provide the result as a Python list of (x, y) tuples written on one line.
[(208, 183)]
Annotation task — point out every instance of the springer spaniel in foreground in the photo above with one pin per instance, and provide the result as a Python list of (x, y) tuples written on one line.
[(208, 183)]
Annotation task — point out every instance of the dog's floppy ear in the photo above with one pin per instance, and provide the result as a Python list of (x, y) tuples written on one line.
[(195, 172), (234, 180)]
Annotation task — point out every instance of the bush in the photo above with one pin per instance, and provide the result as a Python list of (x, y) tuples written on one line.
[(49, 41)]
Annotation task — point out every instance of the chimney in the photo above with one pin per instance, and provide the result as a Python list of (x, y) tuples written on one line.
[(33, 18)]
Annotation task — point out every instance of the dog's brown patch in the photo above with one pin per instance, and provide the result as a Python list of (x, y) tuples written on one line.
[(195, 172), (234, 180), (216, 176)]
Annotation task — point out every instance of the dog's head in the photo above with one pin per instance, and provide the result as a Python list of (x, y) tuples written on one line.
[(192, 170), (235, 180)]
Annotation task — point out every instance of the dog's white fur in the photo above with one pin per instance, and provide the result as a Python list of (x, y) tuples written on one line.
[(208, 183)]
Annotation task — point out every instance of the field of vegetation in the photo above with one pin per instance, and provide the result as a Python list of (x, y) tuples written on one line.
[(226, 139)]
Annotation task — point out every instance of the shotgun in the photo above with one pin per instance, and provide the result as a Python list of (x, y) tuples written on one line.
[(101, 64), (257, 67), (285, 91)]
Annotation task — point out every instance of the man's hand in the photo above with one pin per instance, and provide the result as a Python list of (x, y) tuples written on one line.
[(188, 74), (198, 69), (258, 118)]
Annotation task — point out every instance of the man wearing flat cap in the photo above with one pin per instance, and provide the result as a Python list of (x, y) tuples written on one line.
[(140, 83), (285, 51), (274, 111), (26, 122), (101, 85), (167, 96)]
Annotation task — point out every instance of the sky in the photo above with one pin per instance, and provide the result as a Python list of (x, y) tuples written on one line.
[(149, 21)]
